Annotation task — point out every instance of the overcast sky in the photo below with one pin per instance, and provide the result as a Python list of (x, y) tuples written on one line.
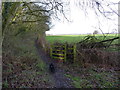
[(81, 24)]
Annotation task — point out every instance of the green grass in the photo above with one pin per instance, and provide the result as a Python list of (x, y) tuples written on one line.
[(41, 65), (21, 46), (23, 51), (104, 79), (24, 46), (79, 82), (63, 39), (5, 84), (99, 79), (76, 38)]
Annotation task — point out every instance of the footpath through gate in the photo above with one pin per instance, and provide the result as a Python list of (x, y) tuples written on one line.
[(63, 52)]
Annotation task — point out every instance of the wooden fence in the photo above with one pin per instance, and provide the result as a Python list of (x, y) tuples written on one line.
[(63, 52)]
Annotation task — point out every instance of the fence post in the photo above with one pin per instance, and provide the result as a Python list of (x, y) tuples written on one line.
[(65, 53), (74, 52), (51, 51)]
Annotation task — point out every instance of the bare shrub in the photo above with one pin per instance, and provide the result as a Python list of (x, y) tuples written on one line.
[(98, 57)]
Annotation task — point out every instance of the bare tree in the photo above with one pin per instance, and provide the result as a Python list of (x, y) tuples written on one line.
[(107, 9), (102, 8)]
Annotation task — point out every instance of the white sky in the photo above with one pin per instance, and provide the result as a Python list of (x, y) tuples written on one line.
[(81, 24)]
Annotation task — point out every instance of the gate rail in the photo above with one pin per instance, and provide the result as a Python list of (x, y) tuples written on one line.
[(64, 52)]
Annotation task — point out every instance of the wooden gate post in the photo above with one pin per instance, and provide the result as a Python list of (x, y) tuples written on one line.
[(65, 53), (51, 51), (74, 52)]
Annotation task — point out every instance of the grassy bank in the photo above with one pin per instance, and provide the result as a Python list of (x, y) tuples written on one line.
[(22, 66)]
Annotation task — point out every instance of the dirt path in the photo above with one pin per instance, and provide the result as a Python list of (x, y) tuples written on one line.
[(58, 77)]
